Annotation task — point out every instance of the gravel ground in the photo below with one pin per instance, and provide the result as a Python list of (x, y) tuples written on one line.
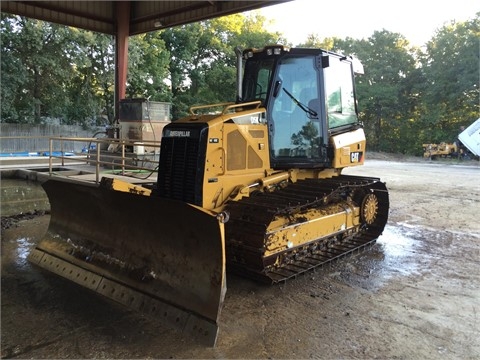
[(413, 295)]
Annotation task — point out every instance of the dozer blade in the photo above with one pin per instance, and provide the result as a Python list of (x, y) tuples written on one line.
[(162, 257)]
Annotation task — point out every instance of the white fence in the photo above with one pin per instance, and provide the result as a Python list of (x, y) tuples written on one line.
[(17, 138)]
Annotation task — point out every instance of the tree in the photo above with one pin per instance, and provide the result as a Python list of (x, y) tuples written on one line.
[(386, 104), (451, 88), (14, 74), (406, 96), (54, 71), (34, 69), (316, 42), (91, 89), (202, 61), (148, 61)]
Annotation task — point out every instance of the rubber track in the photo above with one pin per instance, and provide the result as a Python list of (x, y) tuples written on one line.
[(249, 218)]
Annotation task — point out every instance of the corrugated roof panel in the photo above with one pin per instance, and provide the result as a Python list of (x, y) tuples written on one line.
[(100, 16), (90, 15), (174, 13)]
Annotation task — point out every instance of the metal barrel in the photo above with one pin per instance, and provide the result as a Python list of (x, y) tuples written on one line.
[(165, 258)]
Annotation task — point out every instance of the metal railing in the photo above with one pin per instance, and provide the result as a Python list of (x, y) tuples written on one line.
[(121, 154)]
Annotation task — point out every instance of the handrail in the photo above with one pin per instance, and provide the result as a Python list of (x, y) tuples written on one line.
[(257, 104), (98, 161), (226, 106), (197, 107)]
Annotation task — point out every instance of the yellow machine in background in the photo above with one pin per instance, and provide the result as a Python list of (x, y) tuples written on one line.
[(467, 145), (254, 187), (432, 151)]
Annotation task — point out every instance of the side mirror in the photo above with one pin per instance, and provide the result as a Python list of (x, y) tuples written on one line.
[(357, 66)]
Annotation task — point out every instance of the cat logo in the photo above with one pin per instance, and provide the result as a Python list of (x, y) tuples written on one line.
[(355, 157)]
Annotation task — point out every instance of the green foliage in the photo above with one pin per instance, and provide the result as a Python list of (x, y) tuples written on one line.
[(202, 58), (451, 90), (14, 74), (34, 69), (148, 68), (315, 42), (92, 87), (407, 96), (383, 90), (53, 71)]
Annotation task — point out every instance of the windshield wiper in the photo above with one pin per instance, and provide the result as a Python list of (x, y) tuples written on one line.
[(310, 112)]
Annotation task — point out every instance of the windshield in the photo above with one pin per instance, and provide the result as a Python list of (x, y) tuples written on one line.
[(295, 129)]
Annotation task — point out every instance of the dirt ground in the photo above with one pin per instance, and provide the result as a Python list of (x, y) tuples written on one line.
[(415, 294)]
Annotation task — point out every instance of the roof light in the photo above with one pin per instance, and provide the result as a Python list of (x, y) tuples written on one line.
[(268, 50)]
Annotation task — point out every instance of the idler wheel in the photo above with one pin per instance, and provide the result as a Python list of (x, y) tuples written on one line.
[(369, 209)]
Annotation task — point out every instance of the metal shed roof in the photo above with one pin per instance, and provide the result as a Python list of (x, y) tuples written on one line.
[(145, 16)]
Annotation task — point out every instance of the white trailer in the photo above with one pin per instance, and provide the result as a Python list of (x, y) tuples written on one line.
[(470, 137)]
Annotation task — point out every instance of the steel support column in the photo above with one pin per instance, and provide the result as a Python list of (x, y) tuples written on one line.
[(122, 9)]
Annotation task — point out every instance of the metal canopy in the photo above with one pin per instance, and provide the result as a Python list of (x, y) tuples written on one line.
[(144, 16), (125, 18)]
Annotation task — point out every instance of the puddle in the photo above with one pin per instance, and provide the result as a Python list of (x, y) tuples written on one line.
[(401, 251), (407, 249), (400, 248), (20, 234), (23, 248), (397, 242)]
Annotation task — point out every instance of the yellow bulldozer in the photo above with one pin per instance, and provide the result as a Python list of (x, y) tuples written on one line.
[(254, 187), (433, 151)]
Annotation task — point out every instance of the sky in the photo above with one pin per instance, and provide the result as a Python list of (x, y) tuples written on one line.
[(416, 20)]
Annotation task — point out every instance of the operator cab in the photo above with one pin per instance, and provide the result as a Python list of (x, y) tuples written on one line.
[(308, 95)]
